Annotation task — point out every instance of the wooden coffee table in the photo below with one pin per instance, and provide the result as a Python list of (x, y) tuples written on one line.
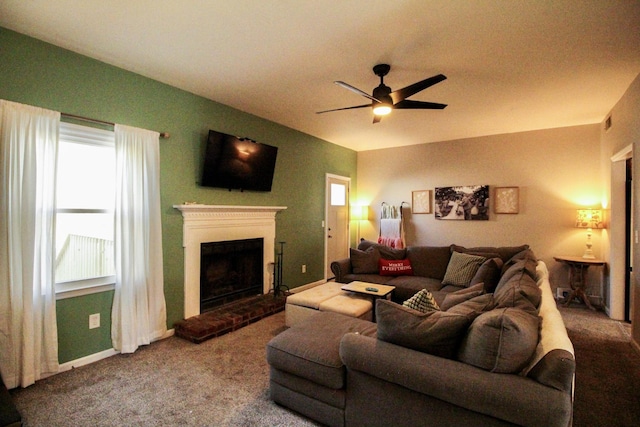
[(364, 288)]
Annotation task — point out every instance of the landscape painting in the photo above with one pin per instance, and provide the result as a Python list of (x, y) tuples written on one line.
[(469, 202)]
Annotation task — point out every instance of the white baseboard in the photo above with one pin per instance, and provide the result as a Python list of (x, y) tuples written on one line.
[(307, 286), (86, 360)]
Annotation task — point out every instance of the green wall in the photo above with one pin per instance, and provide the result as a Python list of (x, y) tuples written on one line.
[(40, 74)]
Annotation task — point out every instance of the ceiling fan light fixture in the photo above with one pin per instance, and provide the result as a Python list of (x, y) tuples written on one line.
[(381, 109)]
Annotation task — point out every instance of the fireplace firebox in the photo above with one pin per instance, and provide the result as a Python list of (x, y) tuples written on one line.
[(230, 270)]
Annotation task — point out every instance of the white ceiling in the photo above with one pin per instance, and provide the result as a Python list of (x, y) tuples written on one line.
[(511, 65)]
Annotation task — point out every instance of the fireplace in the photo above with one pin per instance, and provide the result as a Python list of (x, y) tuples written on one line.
[(215, 223), (230, 270)]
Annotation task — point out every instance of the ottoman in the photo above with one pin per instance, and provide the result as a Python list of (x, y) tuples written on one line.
[(306, 372), (326, 297)]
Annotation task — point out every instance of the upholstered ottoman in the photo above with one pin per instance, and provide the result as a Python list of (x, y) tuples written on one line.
[(326, 297), (306, 372)]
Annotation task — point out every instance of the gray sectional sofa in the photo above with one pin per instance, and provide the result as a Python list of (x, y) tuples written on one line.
[(495, 352)]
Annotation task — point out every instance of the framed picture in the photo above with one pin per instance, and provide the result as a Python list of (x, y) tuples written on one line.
[(507, 200), (421, 202), (469, 202)]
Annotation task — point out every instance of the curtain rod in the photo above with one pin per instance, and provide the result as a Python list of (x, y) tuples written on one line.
[(164, 135)]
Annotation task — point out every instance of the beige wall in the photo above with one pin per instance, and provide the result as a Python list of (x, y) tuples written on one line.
[(557, 171)]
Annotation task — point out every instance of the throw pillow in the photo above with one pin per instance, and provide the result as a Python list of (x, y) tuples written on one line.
[(461, 269), (422, 301), (489, 274), (436, 332), (501, 340), (364, 262), (519, 289), (460, 296), (391, 267)]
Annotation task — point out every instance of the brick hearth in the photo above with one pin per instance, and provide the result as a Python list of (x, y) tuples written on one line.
[(228, 317)]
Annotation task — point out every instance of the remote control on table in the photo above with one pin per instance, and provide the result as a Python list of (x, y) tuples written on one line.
[(371, 289)]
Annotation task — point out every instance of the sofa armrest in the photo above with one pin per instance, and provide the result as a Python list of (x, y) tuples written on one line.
[(341, 268), (526, 401)]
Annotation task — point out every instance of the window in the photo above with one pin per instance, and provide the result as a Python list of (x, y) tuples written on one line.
[(85, 197), (338, 194)]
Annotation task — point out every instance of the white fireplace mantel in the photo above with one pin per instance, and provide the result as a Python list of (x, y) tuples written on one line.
[(218, 223)]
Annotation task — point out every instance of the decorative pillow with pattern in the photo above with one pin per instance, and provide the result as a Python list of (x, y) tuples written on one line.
[(422, 301), (462, 268)]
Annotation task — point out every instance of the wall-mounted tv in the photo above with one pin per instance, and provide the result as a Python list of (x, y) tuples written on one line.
[(238, 163)]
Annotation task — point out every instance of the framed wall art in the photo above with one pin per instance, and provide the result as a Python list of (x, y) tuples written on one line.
[(507, 200), (469, 202), (421, 202)]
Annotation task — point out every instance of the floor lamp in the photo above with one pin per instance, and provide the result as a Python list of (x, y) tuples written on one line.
[(359, 213)]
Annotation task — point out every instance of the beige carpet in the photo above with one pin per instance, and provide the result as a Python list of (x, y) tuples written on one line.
[(607, 390), (221, 382), (224, 382)]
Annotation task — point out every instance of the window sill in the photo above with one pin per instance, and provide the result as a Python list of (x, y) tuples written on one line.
[(84, 287)]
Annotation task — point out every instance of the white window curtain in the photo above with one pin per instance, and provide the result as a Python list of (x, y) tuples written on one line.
[(139, 311), (28, 332)]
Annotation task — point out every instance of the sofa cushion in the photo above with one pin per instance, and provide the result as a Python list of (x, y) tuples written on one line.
[(505, 252), (530, 261), (461, 269), (371, 278), (501, 340), (385, 251), (422, 301), (489, 273), (462, 295), (310, 349), (364, 262), (435, 332), (407, 286), (517, 288), (474, 307), (429, 261)]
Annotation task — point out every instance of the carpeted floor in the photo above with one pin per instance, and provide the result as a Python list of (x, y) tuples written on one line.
[(224, 382), (607, 390), (221, 382)]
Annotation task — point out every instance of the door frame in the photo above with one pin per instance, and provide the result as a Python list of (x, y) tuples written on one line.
[(327, 203), (618, 237)]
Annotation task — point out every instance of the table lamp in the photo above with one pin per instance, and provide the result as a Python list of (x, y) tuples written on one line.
[(589, 219)]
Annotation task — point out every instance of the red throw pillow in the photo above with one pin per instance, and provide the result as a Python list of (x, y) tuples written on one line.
[(395, 267)]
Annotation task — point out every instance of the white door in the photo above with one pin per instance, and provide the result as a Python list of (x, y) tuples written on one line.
[(337, 221)]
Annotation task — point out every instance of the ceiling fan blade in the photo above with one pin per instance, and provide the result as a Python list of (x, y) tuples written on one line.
[(345, 108), (418, 105), (405, 92), (356, 90), (376, 119)]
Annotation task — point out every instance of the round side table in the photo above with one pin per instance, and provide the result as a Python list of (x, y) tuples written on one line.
[(577, 271)]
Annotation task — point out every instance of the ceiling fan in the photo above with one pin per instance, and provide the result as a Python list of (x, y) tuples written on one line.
[(383, 100)]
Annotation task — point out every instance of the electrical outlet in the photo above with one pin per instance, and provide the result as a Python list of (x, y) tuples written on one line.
[(94, 321), (562, 293), (304, 268)]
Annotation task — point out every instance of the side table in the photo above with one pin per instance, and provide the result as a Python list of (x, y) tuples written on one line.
[(577, 272)]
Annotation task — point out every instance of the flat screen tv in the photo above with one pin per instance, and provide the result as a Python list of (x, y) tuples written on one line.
[(238, 163)]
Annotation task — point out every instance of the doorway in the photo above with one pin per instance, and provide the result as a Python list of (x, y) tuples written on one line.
[(617, 302), (336, 220)]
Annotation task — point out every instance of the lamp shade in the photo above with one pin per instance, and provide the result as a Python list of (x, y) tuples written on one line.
[(359, 213), (589, 218)]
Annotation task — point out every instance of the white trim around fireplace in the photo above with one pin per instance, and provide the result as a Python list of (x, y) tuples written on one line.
[(218, 223)]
